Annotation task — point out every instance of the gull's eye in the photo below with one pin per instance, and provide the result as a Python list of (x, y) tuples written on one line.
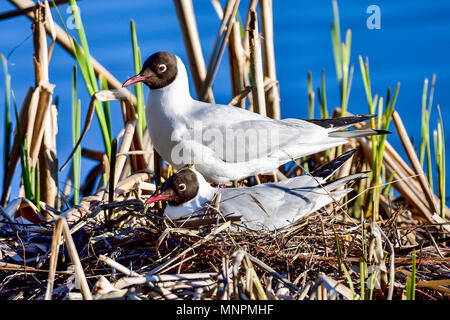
[(182, 187), (162, 68)]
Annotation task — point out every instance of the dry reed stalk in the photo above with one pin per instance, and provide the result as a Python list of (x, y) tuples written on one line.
[(219, 46), (240, 97), (273, 95), (56, 241), (147, 145), (36, 124), (412, 156), (124, 147), (401, 184), (103, 95), (40, 45), (16, 267), (51, 25), (236, 59), (392, 263), (125, 185), (259, 104), (251, 7), (48, 161), (397, 158), (399, 166), (39, 114), (66, 43), (137, 161), (19, 12), (339, 287), (188, 24), (119, 267), (79, 272)]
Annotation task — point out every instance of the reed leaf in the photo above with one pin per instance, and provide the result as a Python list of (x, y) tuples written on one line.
[(322, 96), (26, 174), (336, 41), (439, 147), (425, 145), (138, 88), (112, 177), (411, 280), (7, 125), (76, 122), (82, 56)]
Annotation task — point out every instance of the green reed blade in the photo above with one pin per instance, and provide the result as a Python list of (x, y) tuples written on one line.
[(411, 280), (76, 122), (105, 104), (26, 174), (323, 96), (7, 125), (336, 41), (439, 146), (138, 88), (112, 176)]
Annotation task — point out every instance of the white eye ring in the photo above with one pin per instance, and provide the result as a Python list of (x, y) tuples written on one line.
[(162, 68), (182, 187)]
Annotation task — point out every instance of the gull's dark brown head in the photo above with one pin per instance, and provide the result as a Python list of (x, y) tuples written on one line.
[(158, 71), (178, 189)]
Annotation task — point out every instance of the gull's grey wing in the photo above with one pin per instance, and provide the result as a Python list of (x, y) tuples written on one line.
[(238, 135), (274, 205)]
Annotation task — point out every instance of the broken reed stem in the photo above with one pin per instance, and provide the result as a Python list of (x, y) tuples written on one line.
[(251, 7), (222, 39), (404, 188), (48, 161), (56, 241), (40, 45), (412, 156), (66, 43), (188, 26), (119, 267), (236, 58), (124, 148), (272, 96), (259, 105), (79, 272)]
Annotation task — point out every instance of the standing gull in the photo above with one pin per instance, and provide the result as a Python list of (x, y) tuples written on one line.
[(227, 143)]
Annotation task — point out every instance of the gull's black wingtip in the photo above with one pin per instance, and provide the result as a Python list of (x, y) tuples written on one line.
[(383, 132), (329, 168)]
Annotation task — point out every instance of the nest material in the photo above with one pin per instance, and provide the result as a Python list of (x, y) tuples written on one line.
[(149, 257)]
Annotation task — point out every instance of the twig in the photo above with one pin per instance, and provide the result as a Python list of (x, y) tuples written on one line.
[(79, 273)]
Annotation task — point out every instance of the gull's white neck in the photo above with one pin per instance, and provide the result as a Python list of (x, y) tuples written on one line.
[(174, 97), (204, 195)]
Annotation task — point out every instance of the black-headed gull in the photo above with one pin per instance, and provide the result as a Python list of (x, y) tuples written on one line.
[(267, 206), (224, 142)]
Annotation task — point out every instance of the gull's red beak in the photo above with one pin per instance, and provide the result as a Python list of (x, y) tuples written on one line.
[(133, 80), (156, 198)]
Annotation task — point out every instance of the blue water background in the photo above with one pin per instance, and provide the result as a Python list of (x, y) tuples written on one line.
[(412, 44)]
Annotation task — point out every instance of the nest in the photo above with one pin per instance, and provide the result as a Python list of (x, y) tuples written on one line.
[(141, 255)]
